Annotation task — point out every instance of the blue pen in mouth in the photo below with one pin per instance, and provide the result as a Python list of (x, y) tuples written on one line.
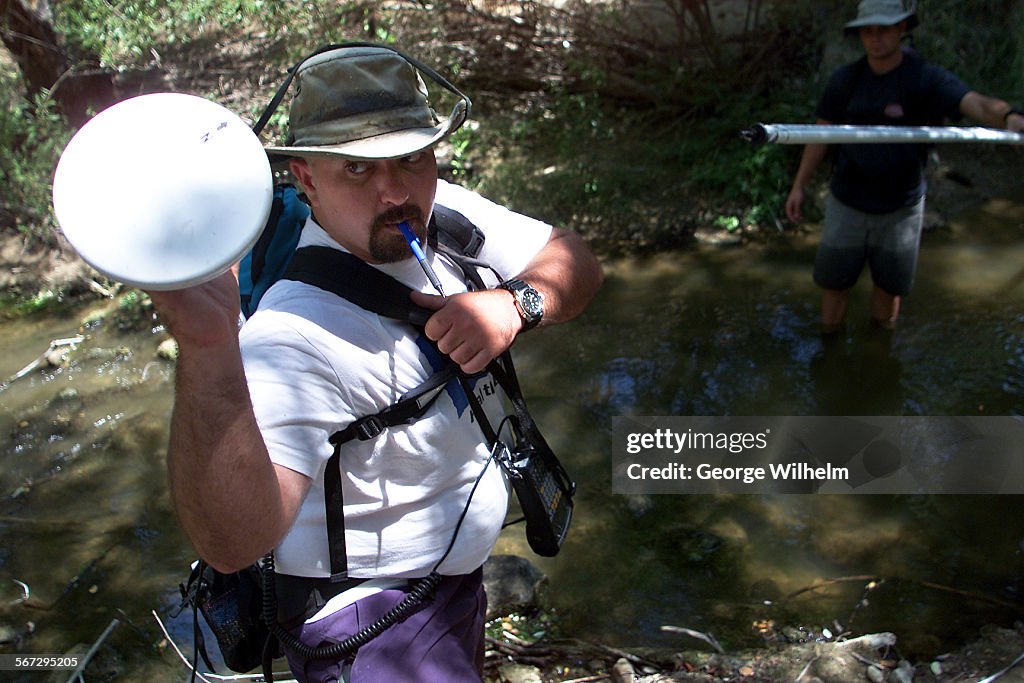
[(417, 251)]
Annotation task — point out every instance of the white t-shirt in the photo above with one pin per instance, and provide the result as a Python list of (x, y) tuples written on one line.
[(315, 362)]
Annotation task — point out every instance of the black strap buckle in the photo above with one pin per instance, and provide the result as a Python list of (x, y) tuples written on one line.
[(503, 456), (369, 428)]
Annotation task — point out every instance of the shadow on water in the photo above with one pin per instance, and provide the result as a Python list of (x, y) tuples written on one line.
[(734, 332), (86, 521)]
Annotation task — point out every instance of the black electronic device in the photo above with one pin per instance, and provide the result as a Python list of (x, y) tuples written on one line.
[(544, 491)]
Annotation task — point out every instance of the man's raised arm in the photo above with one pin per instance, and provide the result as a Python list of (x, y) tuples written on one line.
[(232, 501)]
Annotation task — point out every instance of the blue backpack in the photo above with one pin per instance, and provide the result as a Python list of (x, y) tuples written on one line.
[(268, 260)]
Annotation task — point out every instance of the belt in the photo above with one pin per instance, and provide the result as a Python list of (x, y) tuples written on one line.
[(300, 597)]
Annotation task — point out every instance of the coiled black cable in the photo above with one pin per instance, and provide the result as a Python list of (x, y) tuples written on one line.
[(421, 591)]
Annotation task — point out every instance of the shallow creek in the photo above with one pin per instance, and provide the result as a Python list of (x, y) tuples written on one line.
[(88, 532)]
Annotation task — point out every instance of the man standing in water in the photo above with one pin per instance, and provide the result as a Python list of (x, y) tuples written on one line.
[(875, 208), (251, 465)]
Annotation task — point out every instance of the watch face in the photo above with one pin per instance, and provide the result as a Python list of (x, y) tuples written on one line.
[(533, 302)]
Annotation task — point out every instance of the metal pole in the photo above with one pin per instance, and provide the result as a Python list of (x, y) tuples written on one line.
[(801, 134)]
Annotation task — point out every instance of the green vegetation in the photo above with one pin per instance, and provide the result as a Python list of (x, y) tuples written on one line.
[(41, 301), (32, 135), (135, 32), (618, 122), (640, 166), (982, 41), (128, 32)]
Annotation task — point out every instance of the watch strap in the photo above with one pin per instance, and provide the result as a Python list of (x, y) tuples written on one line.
[(517, 287)]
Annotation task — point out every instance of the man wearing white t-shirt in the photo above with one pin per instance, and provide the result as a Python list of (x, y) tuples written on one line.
[(254, 408)]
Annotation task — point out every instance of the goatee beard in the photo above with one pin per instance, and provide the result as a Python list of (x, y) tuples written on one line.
[(387, 246)]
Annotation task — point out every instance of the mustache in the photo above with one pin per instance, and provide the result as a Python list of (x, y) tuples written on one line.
[(409, 213)]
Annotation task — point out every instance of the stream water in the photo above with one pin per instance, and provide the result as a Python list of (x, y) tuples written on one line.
[(87, 531)]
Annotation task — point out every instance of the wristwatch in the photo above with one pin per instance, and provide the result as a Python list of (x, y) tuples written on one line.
[(529, 302)]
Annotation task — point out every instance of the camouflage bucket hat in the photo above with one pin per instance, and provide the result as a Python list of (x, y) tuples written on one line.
[(881, 13), (364, 102)]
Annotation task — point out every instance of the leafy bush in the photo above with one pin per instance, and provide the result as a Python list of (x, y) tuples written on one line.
[(634, 142), (981, 41), (125, 32), (32, 136), (644, 172)]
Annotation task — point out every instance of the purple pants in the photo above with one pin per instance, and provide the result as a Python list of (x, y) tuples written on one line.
[(443, 640)]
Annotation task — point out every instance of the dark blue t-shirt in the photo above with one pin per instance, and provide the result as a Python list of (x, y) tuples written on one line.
[(879, 178)]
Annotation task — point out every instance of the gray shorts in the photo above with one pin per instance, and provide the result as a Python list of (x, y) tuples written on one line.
[(887, 242)]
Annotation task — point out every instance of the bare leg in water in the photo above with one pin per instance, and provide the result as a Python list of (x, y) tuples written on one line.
[(885, 308), (833, 309)]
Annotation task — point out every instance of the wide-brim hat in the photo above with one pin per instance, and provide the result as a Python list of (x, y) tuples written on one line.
[(363, 103), (881, 13)]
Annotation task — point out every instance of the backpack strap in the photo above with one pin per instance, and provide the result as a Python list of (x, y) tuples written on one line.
[(449, 230), (408, 409), (334, 504), (350, 278), (455, 236), (504, 372), (346, 275)]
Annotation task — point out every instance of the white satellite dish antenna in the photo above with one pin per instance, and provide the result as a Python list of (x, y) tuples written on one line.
[(163, 191)]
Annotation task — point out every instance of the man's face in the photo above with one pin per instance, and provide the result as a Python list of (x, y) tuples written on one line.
[(881, 41), (361, 203)]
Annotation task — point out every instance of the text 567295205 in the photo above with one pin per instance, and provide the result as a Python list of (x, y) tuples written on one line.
[(38, 662)]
